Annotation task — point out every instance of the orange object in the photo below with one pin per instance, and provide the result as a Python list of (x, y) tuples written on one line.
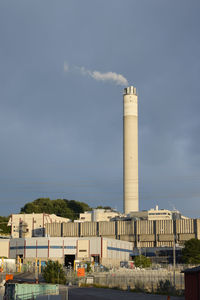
[(168, 297), (9, 277), (81, 272)]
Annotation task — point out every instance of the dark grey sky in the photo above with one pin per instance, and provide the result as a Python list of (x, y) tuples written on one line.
[(61, 131)]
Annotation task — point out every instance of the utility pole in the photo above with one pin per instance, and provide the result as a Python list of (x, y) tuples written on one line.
[(67, 294), (174, 260)]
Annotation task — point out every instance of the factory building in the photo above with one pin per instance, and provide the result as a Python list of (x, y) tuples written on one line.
[(156, 214), (97, 215), (142, 233), (130, 161), (108, 252), (30, 225)]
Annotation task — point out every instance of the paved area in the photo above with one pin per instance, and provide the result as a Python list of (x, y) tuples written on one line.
[(108, 294), (27, 277)]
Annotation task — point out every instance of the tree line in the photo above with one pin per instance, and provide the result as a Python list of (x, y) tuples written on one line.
[(60, 207)]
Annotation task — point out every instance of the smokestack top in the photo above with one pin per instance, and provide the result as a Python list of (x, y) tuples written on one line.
[(131, 90)]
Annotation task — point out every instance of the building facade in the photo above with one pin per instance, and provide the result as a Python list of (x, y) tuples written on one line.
[(97, 215), (143, 233), (30, 225), (108, 252), (157, 214)]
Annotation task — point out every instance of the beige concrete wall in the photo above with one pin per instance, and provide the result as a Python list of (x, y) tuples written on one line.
[(100, 215), (128, 238), (164, 227), (15, 223), (146, 237), (130, 150), (83, 249), (28, 225), (145, 244), (185, 226), (125, 227), (70, 229), (107, 228), (88, 229), (186, 236), (198, 229), (144, 227), (104, 248), (85, 217), (4, 248), (143, 233), (97, 215), (165, 244), (53, 229)]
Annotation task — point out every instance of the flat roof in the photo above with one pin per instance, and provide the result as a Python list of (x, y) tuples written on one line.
[(192, 270)]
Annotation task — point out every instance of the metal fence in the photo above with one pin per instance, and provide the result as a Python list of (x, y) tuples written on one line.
[(146, 280)]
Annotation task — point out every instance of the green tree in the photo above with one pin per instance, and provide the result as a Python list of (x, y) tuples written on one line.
[(4, 229), (54, 273), (191, 251), (60, 207), (103, 207), (142, 261), (41, 205)]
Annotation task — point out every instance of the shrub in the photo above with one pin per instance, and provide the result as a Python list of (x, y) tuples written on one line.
[(54, 273), (142, 261), (165, 287)]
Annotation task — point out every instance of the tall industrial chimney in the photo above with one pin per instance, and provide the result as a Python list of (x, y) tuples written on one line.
[(131, 202)]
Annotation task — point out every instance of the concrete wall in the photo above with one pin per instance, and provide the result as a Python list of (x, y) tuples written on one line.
[(53, 248), (85, 217), (97, 215), (69, 229), (54, 229), (4, 247), (88, 229), (107, 229), (30, 225), (142, 233)]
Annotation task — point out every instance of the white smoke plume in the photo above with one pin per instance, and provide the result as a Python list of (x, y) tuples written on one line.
[(108, 76), (66, 67)]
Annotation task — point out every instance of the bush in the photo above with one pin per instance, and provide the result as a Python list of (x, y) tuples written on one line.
[(54, 273), (191, 252), (142, 261), (88, 269), (166, 288)]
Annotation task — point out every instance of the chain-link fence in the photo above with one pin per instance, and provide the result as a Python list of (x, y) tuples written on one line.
[(147, 280)]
